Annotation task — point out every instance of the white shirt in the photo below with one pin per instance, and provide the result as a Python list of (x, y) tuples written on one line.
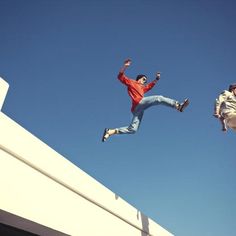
[(225, 103)]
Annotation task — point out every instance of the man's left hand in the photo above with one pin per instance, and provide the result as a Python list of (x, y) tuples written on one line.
[(158, 75)]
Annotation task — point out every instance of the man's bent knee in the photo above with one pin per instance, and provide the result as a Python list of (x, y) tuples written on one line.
[(159, 98), (132, 130)]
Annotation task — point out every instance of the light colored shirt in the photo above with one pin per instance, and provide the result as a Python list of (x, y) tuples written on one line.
[(225, 103)]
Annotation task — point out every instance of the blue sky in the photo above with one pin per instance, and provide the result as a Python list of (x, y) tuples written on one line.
[(61, 59)]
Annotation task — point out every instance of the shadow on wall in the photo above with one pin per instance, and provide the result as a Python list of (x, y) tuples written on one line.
[(144, 220), (145, 223)]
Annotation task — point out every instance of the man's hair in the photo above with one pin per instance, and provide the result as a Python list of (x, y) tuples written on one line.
[(140, 76), (231, 87)]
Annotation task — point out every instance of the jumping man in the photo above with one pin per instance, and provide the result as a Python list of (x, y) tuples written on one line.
[(136, 90), (225, 108)]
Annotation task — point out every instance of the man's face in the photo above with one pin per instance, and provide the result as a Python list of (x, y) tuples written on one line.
[(234, 91), (143, 80)]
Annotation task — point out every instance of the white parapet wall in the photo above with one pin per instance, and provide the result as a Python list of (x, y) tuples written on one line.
[(3, 91), (43, 193)]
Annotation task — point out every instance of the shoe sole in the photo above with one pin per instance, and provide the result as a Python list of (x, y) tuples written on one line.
[(185, 104), (104, 133)]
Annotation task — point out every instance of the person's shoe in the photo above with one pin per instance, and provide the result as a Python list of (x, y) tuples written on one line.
[(105, 135), (183, 105), (224, 128)]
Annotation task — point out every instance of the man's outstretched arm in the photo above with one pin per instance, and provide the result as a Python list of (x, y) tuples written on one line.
[(152, 84), (121, 75), (222, 97), (127, 63)]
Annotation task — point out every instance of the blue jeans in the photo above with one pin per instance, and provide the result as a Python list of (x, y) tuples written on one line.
[(138, 112)]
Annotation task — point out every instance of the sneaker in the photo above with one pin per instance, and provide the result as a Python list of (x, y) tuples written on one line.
[(183, 105), (105, 135)]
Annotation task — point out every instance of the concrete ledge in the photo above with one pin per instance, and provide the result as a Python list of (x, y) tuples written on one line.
[(41, 186), (4, 86)]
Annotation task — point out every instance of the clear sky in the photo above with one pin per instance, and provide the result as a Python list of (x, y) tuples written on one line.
[(61, 59)]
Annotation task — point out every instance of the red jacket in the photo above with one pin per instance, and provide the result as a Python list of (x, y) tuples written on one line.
[(135, 90)]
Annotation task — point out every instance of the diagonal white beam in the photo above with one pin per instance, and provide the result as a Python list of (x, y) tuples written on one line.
[(3, 91)]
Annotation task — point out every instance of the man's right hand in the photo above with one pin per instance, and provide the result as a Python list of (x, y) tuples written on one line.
[(127, 62)]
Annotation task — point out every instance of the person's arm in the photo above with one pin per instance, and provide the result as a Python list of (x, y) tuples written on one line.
[(222, 97), (127, 63), (121, 75), (152, 84)]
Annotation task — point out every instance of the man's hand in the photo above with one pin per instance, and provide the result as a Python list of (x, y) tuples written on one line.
[(127, 63), (158, 75), (216, 115)]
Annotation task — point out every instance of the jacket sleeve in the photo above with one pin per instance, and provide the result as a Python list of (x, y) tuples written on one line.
[(150, 86), (218, 102), (123, 78)]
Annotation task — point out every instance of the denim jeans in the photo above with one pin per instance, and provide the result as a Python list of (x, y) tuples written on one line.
[(138, 112)]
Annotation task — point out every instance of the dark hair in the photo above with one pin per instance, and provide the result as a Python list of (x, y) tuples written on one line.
[(231, 87), (140, 76)]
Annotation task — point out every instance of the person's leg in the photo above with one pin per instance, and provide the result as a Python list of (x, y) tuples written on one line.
[(230, 119), (131, 129), (149, 101), (134, 125), (223, 123), (144, 104)]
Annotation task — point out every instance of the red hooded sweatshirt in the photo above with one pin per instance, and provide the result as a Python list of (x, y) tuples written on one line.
[(135, 90)]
